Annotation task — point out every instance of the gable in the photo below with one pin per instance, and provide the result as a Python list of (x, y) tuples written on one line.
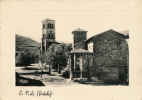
[(107, 35)]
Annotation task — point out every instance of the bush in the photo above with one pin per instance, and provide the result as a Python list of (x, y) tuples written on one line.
[(66, 74), (26, 58)]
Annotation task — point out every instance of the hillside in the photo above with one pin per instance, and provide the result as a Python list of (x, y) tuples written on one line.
[(23, 42)]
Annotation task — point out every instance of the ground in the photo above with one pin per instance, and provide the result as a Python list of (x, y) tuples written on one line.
[(33, 72), (47, 79)]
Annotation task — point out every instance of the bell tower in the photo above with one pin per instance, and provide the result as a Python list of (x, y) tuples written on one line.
[(48, 33)]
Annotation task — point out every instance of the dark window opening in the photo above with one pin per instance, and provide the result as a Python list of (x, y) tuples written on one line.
[(43, 26), (50, 26), (52, 36), (44, 35), (49, 35)]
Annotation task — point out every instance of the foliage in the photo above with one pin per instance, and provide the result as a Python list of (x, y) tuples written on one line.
[(26, 57), (66, 74), (57, 55)]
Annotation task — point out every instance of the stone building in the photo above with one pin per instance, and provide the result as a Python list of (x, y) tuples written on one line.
[(79, 35), (79, 56), (48, 33), (110, 55)]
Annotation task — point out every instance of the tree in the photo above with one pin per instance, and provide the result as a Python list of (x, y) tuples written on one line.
[(27, 57), (57, 56)]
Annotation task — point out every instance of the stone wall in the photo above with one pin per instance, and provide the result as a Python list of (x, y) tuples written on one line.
[(110, 54), (80, 45), (79, 37)]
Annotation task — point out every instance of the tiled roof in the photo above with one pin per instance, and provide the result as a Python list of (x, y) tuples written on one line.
[(80, 51), (79, 30), (47, 19), (96, 36)]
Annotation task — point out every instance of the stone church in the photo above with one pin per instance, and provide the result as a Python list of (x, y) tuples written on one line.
[(48, 34)]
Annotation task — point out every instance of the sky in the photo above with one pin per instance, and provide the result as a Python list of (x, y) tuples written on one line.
[(95, 17)]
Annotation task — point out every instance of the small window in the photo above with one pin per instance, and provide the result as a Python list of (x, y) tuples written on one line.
[(43, 26), (52, 35), (52, 26), (43, 35), (49, 35), (49, 25)]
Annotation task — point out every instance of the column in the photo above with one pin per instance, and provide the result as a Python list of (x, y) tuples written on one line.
[(45, 45), (70, 69), (41, 46), (40, 58), (80, 66), (74, 61)]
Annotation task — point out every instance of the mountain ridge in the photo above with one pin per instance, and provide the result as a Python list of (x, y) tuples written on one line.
[(22, 41)]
